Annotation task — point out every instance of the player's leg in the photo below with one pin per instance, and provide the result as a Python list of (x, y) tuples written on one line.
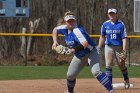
[(93, 61), (126, 78), (74, 69), (124, 71), (109, 61), (123, 68)]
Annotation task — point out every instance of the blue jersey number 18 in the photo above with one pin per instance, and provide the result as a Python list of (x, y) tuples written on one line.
[(113, 36)]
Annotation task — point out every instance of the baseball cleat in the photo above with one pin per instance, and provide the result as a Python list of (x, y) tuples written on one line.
[(68, 92), (126, 85), (112, 91)]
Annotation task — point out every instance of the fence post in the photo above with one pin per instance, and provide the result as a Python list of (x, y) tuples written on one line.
[(26, 60), (129, 50)]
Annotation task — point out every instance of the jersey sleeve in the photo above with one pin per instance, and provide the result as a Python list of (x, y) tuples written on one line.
[(61, 29), (103, 30), (123, 31), (80, 34)]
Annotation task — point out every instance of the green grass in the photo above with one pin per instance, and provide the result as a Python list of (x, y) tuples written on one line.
[(53, 72)]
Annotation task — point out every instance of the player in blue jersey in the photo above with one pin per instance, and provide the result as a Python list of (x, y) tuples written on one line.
[(82, 46), (113, 33)]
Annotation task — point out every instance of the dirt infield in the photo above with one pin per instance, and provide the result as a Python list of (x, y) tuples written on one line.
[(59, 86)]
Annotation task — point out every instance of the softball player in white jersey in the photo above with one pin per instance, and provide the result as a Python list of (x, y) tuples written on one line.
[(113, 33), (82, 47)]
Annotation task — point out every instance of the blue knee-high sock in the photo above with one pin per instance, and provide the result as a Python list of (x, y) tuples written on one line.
[(71, 85), (109, 74), (104, 80), (125, 73)]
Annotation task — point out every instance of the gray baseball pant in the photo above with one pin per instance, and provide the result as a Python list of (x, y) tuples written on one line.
[(109, 54), (77, 64)]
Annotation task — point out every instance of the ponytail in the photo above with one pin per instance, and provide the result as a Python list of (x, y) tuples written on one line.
[(61, 21)]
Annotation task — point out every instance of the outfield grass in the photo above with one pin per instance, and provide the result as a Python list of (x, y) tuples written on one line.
[(52, 72)]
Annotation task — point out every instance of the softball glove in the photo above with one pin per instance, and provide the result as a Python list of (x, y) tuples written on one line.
[(122, 55), (60, 49)]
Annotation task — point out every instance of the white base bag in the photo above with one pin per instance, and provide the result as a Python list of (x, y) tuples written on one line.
[(121, 86)]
